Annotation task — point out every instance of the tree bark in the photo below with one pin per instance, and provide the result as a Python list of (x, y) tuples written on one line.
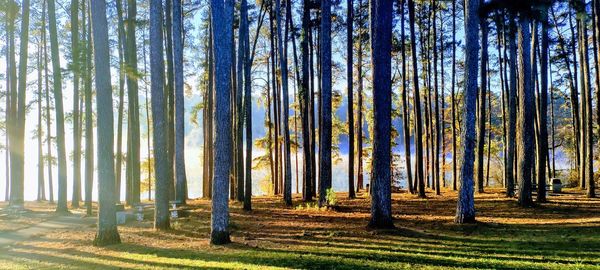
[(17, 143), (512, 109), (41, 190), (61, 207), (222, 22), (181, 181), (453, 98), (282, 46), (133, 150), (465, 209), (119, 156), (107, 232), (525, 132), (349, 79), (325, 104), (420, 178), (89, 118), (307, 194), (381, 36), (542, 145), (405, 105), (481, 103), (248, 103), (162, 168)]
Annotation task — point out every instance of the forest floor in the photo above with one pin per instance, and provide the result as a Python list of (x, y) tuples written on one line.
[(561, 234)]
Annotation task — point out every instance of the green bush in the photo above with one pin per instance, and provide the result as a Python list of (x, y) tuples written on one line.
[(331, 197)]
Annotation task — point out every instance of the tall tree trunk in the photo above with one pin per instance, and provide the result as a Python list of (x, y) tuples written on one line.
[(313, 136), (222, 21), (305, 105), (148, 125), (481, 103), (119, 155), (587, 137), (349, 79), (525, 132), (501, 49), (576, 107), (209, 117), (170, 95), (107, 232), (248, 102), (512, 109), (542, 145), (60, 115), (10, 20), (596, 47), (420, 178), (465, 209), (359, 103), (325, 104), (275, 147), (17, 143), (76, 67), (162, 168), (41, 194), (282, 45), (238, 170), (180, 175), (438, 125), (133, 124), (453, 98), (48, 116), (442, 104), (270, 147), (381, 36), (405, 106), (89, 118)]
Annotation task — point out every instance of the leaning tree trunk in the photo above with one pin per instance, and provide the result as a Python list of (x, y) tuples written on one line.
[(222, 22), (107, 232), (381, 36), (465, 209), (162, 166)]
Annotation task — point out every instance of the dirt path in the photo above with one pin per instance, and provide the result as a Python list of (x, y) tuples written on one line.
[(9, 238)]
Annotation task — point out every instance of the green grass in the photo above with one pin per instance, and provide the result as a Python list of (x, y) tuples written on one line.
[(562, 234)]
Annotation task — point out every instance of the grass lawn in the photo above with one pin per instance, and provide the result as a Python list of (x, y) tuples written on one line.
[(561, 234)]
